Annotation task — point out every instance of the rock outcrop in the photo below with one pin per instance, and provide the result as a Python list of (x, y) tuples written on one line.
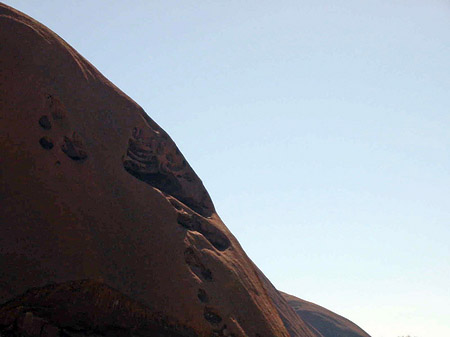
[(323, 322), (99, 206), (105, 229)]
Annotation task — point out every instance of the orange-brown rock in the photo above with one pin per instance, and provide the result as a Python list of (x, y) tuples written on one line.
[(98, 207)]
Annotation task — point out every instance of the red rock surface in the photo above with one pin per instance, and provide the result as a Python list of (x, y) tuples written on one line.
[(93, 189), (105, 229)]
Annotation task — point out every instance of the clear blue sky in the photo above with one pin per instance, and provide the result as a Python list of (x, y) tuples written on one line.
[(320, 129)]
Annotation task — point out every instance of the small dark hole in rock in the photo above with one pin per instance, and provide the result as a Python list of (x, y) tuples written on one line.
[(211, 316), (196, 266), (45, 123), (207, 275), (72, 149), (203, 296), (46, 143)]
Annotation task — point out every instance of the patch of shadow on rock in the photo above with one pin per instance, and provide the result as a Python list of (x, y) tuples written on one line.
[(46, 143)]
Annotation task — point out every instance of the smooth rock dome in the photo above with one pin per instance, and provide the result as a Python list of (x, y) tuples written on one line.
[(105, 229)]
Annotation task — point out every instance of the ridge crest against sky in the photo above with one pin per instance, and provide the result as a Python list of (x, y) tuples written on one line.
[(328, 125)]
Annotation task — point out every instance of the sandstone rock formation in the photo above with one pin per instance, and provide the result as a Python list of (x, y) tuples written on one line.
[(105, 229), (323, 322)]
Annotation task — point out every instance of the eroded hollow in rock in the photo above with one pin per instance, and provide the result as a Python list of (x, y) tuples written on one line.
[(46, 143), (73, 147), (196, 223), (163, 182), (196, 266), (45, 123), (203, 296), (154, 159), (211, 316)]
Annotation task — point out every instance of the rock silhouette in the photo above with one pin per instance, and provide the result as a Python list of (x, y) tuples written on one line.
[(323, 322), (105, 229)]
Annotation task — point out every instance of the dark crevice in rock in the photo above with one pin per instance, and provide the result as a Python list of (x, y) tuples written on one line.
[(45, 123), (203, 296), (165, 183), (73, 147), (154, 159), (175, 203), (197, 267), (196, 223), (211, 316), (46, 143)]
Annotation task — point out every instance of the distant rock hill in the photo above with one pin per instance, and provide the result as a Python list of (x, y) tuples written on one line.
[(323, 322), (105, 229)]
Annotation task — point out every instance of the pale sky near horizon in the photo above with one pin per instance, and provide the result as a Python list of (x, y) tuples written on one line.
[(320, 129)]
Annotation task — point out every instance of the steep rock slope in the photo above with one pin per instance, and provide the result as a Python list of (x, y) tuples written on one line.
[(102, 215), (323, 322)]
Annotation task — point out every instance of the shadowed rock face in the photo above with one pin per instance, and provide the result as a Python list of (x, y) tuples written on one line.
[(154, 159), (105, 229), (83, 308), (323, 322)]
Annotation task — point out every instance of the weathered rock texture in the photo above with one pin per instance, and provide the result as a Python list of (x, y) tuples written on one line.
[(323, 322), (105, 229)]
